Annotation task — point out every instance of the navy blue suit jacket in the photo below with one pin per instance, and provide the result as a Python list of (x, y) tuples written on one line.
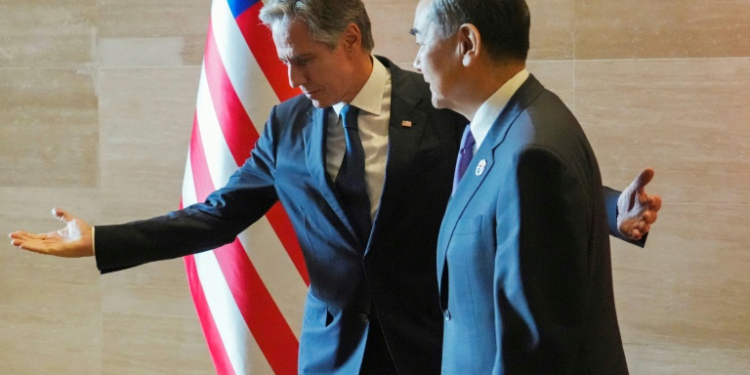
[(523, 255)]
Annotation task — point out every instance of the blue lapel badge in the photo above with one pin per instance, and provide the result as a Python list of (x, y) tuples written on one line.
[(480, 167)]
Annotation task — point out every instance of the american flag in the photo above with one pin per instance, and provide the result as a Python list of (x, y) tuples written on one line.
[(249, 294)]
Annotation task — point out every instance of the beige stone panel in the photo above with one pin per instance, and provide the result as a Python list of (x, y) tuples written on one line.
[(709, 186), (391, 22), (552, 29), (146, 121), (556, 76), (689, 286), (141, 52), (158, 288), (50, 308), (685, 360), (673, 115), (48, 128), (47, 33), (154, 345), (667, 28), (187, 20)]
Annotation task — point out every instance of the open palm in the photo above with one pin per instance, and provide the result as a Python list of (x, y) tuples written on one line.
[(73, 241)]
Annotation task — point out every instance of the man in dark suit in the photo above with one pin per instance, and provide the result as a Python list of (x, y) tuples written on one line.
[(523, 261), (368, 241)]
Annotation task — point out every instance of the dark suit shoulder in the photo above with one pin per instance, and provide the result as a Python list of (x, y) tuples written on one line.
[(549, 124)]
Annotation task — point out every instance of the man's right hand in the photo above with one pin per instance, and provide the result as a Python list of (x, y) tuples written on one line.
[(73, 241)]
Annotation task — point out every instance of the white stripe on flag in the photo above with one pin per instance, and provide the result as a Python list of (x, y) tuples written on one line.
[(219, 158), (234, 333), (188, 185), (251, 85)]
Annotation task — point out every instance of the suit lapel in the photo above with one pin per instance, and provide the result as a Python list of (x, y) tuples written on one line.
[(403, 141), (472, 180), (315, 148)]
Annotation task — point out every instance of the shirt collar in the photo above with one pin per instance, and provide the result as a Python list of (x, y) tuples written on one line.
[(370, 98), (490, 109)]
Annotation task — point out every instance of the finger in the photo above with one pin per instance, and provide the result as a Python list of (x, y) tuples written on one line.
[(21, 235), (654, 203), (650, 217), (62, 214), (643, 179), (34, 246), (635, 235), (644, 228)]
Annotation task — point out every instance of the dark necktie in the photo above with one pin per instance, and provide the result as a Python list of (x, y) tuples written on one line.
[(464, 156), (350, 182)]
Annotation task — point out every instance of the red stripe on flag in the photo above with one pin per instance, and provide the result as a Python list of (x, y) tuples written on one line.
[(263, 317), (239, 131), (213, 338), (260, 41), (201, 175), (235, 123)]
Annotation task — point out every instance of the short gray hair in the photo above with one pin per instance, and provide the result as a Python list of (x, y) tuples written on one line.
[(326, 19), (503, 24)]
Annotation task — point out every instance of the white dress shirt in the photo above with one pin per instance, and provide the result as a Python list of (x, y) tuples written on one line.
[(374, 103), (490, 109)]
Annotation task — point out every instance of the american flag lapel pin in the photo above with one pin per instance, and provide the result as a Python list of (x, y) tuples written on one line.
[(406, 124)]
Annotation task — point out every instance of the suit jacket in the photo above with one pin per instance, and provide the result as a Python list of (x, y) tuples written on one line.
[(523, 254), (394, 272)]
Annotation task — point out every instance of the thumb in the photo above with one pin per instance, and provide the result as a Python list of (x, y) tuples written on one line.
[(643, 179), (62, 215)]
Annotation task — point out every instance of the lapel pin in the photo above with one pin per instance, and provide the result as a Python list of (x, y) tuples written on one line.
[(406, 124), (480, 167)]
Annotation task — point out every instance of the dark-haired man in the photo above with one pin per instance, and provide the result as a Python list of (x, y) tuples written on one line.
[(523, 262)]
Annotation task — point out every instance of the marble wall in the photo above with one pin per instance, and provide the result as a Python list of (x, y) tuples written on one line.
[(96, 105)]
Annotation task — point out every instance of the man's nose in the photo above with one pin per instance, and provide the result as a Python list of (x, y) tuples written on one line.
[(296, 77), (417, 64)]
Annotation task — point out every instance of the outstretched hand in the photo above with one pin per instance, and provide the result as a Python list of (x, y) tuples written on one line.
[(636, 209), (73, 241)]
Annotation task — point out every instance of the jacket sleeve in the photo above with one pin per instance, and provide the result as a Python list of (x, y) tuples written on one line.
[(226, 212)]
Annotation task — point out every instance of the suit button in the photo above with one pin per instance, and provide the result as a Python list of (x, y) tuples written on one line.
[(447, 315), (364, 317)]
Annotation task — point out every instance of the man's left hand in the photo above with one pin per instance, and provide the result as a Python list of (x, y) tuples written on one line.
[(636, 209)]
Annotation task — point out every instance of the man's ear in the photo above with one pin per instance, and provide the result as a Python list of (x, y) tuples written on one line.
[(352, 38), (469, 43)]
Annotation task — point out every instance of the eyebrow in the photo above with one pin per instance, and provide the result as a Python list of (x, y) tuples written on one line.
[(296, 58), (414, 31)]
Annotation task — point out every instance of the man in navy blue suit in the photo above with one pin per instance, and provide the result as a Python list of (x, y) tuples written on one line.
[(523, 262), (365, 194)]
